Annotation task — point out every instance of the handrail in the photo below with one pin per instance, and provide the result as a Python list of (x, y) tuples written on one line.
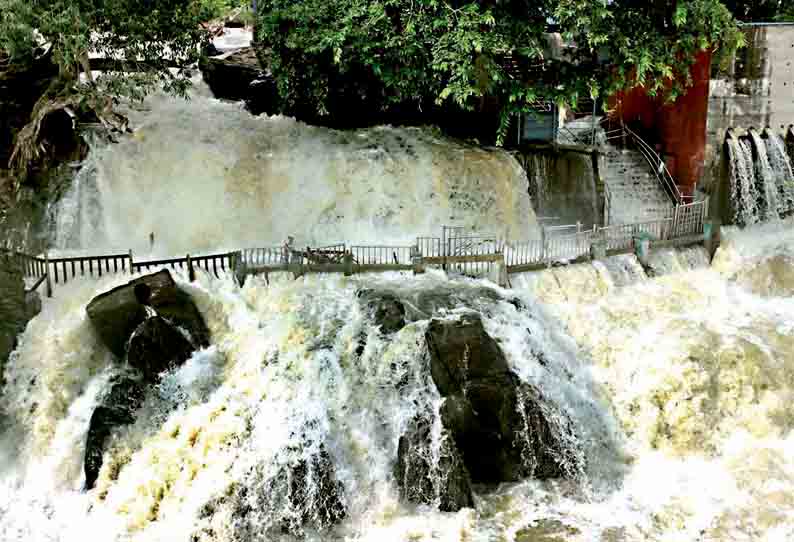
[(659, 168), (660, 171), (470, 254)]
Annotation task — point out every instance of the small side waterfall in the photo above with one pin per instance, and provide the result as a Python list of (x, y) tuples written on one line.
[(562, 186), (761, 179)]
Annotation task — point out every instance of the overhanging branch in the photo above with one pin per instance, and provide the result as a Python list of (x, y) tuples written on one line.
[(113, 65)]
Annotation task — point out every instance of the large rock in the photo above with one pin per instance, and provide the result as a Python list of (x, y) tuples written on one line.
[(385, 308), (504, 428), (444, 482), (238, 75), (157, 346), (118, 313), (305, 494), (117, 409)]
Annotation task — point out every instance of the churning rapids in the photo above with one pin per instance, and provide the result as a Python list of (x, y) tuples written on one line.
[(678, 385)]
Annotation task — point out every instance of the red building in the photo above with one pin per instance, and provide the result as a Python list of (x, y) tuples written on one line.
[(677, 129)]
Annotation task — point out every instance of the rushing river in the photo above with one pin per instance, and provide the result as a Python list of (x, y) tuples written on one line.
[(678, 380)]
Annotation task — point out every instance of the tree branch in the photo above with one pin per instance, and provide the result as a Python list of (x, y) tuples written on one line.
[(113, 65)]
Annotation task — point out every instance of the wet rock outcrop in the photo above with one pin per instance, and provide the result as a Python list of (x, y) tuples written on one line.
[(304, 494), (117, 314), (140, 322), (157, 346), (385, 308), (17, 307), (432, 476), (504, 428), (238, 75), (116, 409)]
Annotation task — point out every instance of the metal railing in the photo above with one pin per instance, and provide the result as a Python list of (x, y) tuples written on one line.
[(471, 255), (687, 222), (655, 162)]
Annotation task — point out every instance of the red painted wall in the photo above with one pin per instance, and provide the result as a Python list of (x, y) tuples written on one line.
[(678, 130)]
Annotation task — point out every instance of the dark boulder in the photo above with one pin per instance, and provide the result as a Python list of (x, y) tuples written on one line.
[(504, 428), (385, 308), (118, 313), (117, 409), (446, 484), (304, 494), (238, 75), (157, 346)]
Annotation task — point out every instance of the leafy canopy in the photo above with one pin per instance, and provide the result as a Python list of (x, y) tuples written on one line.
[(477, 53), (143, 38)]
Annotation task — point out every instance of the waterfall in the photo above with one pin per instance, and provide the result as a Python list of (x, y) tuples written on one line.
[(760, 175), (664, 388), (562, 187), (780, 163), (232, 180)]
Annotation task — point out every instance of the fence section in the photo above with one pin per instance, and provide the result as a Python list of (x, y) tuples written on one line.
[(62, 270), (690, 219), (471, 255), (364, 255), (687, 222)]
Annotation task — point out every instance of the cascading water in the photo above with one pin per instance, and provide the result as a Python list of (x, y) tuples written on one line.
[(669, 386), (562, 187), (742, 180), (780, 164), (762, 183), (766, 178), (206, 175)]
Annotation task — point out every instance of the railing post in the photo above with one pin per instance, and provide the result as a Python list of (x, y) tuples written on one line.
[(348, 263), (47, 273), (131, 263), (503, 278), (416, 260), (443, 248), (191, 273)]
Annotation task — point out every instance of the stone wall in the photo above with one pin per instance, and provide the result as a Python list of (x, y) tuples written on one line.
[(753, 89), (16, 308)]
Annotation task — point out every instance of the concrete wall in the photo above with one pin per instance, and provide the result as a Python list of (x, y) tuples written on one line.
[(563, 186), (754, 89)]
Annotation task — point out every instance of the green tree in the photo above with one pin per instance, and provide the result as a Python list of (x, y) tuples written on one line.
[(141, 45), (473, 54)]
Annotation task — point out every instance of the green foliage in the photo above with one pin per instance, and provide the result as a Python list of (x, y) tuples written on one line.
[(785, 15), (151, 42), (478, 53)]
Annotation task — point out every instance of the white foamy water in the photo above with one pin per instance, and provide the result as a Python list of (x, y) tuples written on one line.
[(679, 388), (676, 377), (206, 175), (761, 179)]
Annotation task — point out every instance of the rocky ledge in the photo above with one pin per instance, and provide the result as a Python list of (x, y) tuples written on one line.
[(154, 327)]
